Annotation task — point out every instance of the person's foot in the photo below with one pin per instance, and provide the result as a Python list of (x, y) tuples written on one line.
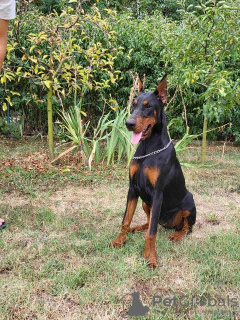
[(2, 224)]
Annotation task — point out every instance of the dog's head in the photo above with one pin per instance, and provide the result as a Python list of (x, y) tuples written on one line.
[(146, 110)]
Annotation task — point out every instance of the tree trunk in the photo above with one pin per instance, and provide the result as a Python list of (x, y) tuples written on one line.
[(204, 140), (50, 122)]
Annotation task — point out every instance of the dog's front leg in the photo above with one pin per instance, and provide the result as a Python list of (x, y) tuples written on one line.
[(150, 239), (127, 219)]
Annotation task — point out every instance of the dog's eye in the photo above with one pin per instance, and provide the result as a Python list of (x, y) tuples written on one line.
[(147, 106), (135, 102)]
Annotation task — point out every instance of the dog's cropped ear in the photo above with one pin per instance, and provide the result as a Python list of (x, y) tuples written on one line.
[(140, 84), (161, 90)]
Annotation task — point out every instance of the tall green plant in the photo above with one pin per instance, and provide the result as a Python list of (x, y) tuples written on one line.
[(118, 142), (76, 130), (100, 134)]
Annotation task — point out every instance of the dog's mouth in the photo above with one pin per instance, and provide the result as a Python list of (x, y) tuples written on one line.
[(147, 130), (137, 137)]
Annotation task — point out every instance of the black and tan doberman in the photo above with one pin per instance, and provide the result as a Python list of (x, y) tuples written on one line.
[(155, 175)]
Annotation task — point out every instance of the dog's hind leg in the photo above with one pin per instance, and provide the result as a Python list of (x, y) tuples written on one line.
[(144, 226), (185, 228)]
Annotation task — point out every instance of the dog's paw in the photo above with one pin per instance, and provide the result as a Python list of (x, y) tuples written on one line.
[(152, 265), (117, 243), (151, 260), (176, 236)]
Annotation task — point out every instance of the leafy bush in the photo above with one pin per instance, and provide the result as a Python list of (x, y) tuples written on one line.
[(91, 54)]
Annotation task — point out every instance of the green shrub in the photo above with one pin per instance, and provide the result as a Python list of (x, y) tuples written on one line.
[(200, 51)]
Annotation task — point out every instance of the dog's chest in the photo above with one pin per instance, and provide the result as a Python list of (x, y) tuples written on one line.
[(143, 178)]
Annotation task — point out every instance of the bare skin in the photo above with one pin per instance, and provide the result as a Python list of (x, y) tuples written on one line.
[(3, 48), (3, 40)]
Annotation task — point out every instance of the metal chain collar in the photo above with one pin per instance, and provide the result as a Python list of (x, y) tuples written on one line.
[(154, 152)]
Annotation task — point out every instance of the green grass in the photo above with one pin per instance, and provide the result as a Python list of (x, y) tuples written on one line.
[(56, 262)]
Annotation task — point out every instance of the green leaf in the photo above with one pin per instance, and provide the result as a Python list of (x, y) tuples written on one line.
[(47, 83), (4, 106)]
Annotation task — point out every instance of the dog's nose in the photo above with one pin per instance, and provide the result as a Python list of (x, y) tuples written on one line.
[(130, 124)]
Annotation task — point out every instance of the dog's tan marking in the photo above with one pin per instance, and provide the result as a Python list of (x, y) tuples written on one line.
[(122, 237), (135, 101), (133, 169), (150, 250), (180, 234), (142, 123), (150, 246), (144, 226), (145, 102), (152, 173), (174, 222)]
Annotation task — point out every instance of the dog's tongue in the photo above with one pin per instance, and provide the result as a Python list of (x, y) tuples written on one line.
[(136, 137)]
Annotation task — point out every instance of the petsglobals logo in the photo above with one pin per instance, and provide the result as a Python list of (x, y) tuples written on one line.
[(132, 305), (192, 301)]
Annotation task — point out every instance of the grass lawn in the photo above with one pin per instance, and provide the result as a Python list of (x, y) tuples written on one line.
[(55, 262)]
